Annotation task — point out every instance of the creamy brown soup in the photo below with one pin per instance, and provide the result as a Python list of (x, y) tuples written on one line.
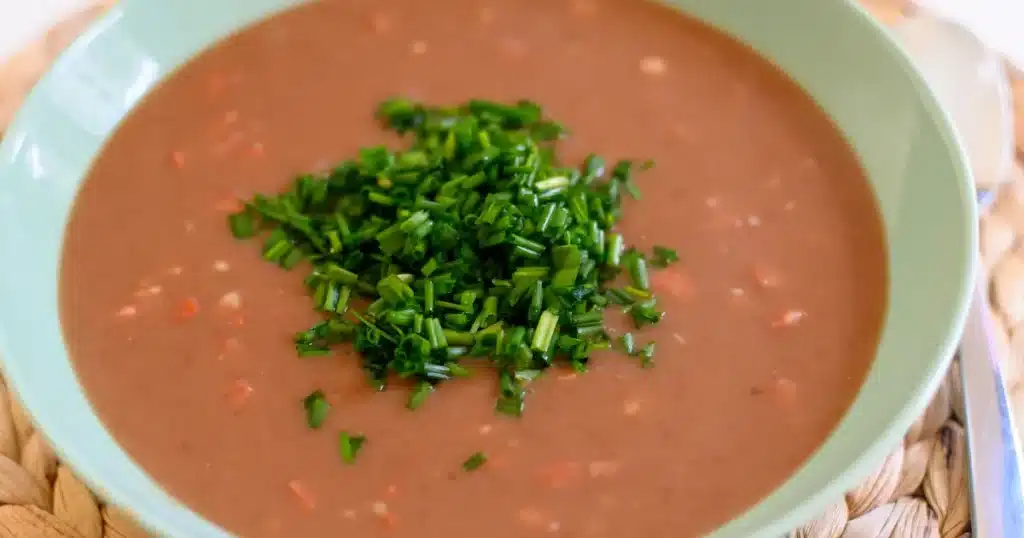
[(181, 335)]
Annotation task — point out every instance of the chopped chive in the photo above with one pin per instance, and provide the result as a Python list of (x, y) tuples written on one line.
[(627, 343), (419, 395), (527, 376), (645, 313), (339, 274), (349, 446), (292, 258), (400, 318), (436, 334), (511, 396), (429, 267), (509, 405), (552, 183), (637, 266), (312, 351), (452, 306), (457, 369), (617, 296), (647, 355), (316, 409), (663, 257), (428, 297), (545, 330), (456, 338), (637, 293), (277, 250), (474, 462), (344, 295), (622, 173), (242, 225), (614, 249), (417, 323)]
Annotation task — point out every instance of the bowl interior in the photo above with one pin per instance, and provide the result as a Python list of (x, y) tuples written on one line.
[(832, 49)]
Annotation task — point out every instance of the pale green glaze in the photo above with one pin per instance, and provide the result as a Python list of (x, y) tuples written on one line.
[(832, 48)]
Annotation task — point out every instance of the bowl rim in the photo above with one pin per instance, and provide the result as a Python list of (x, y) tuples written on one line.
[(153, 514)]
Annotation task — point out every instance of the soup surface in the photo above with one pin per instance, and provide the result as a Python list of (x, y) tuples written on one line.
[(182, 336)]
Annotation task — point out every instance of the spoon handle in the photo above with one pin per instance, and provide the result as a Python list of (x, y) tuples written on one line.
[(992, 441)]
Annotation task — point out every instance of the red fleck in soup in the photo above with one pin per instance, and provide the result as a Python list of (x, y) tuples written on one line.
[(182, 335)]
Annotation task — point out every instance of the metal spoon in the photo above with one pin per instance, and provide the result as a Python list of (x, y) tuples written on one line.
[(969, 79), (993, 445)]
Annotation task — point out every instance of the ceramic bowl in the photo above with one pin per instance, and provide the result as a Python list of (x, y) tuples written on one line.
[(833, 49)]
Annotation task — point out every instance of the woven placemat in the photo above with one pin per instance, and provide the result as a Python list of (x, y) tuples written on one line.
[(919, 491)]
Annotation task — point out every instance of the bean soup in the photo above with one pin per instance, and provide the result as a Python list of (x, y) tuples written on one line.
[(185, 340)]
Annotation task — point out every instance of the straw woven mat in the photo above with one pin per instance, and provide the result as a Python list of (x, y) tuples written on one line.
[(920, 490)]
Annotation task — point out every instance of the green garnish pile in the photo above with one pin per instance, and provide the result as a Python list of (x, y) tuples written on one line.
[(472, 244)]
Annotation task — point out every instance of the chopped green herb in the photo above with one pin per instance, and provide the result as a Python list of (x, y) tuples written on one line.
[(663, 257), (637, 266), (474, 462), (349, 446), (419, 395), (622, 174), (645, 313), (243, 226), (292, 258), (647, 355), (312, 351), (527, 376), (473, 242), (628, 345), (511, 397), (316, 409)]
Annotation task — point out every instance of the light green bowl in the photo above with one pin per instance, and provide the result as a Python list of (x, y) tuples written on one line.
[(833, 49)]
